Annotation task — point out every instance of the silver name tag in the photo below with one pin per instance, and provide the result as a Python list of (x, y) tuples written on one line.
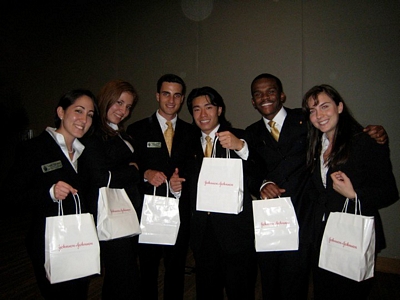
[(153, 144), (52, 166)]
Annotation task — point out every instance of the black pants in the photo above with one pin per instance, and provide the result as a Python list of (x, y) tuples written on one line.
[(218, 270), (121, 271), (174, 263), (285, 274)]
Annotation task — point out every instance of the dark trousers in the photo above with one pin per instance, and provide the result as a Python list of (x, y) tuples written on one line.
[(174, 263), (285, 274), (121, 271), (218, 270)]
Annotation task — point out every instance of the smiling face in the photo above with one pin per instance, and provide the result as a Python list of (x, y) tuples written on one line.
[(267, 98), (120, 109), (77, 118), (324, 114), (205, 114), (170, 99)]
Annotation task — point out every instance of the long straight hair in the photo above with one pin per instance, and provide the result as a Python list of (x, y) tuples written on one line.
[(346, 128)]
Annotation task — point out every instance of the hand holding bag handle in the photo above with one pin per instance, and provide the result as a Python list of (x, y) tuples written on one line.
[(214, 150)]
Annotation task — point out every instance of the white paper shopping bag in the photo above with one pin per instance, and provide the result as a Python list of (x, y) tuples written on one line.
[(116, 216), (71, 246), (220, 185), (348, 244), (160, 220), (275, 225)]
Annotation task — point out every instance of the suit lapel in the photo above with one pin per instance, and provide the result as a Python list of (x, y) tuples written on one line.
[(157, 134)]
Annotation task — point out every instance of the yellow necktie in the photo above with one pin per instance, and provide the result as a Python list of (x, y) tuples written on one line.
[(169, 135), (274, 130), (208, 151)]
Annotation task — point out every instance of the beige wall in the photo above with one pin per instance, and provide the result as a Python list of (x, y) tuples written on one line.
[(352, 45)]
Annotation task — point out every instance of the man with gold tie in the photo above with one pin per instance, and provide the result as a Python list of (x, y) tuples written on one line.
[(162, 144), (222, 243)]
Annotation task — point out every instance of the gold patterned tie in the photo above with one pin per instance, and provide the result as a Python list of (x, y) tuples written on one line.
[(169, 135), (208, 151), (274, 130)]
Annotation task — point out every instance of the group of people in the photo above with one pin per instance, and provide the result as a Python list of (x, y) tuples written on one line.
[(318, 155)]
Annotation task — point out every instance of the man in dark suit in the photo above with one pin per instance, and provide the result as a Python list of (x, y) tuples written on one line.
[(285, 274), (158, 165), (222, 244)]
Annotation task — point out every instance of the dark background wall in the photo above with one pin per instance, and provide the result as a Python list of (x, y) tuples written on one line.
[(49, 48)]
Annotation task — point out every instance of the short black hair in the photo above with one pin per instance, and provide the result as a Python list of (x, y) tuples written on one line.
[(171, 78)]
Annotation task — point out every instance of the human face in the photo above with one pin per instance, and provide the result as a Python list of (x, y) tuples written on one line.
[(120, 109), (77, 118), (205, 114), (324, 114), (267, 98), (169, 99)]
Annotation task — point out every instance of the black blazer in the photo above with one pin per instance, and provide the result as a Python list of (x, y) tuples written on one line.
[(152, 153), (29, 181), (235, 232), (370, 171), (103, 154), (285, 162)]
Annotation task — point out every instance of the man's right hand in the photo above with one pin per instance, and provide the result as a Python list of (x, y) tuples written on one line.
[(271, 190), (155, 177)]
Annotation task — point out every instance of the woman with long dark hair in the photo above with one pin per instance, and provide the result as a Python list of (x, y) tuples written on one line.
[(346, 163)]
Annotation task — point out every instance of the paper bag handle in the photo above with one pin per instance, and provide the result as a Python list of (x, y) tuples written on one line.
[(166, 182), (77, 205), (109, 179), (357, 209), (214, 151)]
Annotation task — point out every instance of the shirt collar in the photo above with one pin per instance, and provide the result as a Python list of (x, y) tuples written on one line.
[(77, 146), (113, 126), (211, 134), (163, 120), (279, 118)]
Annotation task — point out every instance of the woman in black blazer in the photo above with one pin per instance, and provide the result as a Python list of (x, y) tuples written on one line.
[(346, 163), (45, 171), (110, 149)]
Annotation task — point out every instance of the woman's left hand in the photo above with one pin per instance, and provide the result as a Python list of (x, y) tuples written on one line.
[(342, 184)]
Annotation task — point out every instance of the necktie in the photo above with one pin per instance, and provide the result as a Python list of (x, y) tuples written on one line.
[(207, 152), (274, 130), (169, 135)]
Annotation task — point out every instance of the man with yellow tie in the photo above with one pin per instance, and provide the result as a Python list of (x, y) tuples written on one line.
[(162, 144), (222, 244)]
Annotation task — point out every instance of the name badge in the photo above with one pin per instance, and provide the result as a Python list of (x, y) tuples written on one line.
[(52, 166), (153, 144)]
